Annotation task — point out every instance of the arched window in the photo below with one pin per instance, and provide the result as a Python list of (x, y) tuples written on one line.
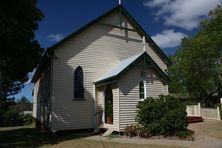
[(141, 90), (78, 83)]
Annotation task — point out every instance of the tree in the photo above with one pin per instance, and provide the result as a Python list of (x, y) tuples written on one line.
[(197, 67), (22, 104), (19, 51), (4, 107)]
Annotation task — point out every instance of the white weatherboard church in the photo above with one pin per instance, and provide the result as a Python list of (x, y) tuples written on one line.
[(96, 76)]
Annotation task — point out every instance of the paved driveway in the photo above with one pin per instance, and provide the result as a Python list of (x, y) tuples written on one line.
[(208, 134)]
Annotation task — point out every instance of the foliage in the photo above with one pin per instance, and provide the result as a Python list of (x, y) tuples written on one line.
[(12, 118), (109, 109), (26, 119), (11, 112), (20, 52), (4, 107), (184, 134), (197, 67), (165, 116), (136, 130), (130, 130), (21, 105)]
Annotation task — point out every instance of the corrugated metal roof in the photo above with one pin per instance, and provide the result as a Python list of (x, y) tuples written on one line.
[(120, 67)]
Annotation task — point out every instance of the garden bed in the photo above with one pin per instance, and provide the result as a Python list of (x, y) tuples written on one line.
[(193, 119), (189, 137)]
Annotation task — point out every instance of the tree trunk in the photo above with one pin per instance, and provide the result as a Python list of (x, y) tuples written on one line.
[(0, 85)]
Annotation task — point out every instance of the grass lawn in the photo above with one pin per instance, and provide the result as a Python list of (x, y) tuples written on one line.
[(28, 136)]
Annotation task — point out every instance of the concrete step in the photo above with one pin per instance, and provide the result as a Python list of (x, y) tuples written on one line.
[(109, 131)]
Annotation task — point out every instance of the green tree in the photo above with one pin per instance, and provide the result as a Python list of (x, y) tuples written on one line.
[(197, 67), (22, 104), (4, 107), (19, 51)]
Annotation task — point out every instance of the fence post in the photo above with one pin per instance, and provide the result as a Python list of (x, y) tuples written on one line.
[(221, 103), (218, 113), (199, 109)]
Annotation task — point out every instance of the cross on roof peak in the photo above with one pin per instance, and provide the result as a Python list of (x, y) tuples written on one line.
[(144, 43), (120, 2)]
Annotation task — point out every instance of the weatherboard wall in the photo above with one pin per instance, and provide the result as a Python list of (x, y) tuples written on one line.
[(96, 49), (129, 92), (35, 101)]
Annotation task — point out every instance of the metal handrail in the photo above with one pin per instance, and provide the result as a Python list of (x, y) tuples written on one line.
[(98, 112)]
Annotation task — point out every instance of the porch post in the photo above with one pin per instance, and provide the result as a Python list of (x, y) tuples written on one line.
[(145, 94), (221, 103), (94, 107)]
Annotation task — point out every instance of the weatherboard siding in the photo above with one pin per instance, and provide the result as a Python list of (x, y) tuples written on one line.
[(129, 92), (100, 98), (96, 50), (116, 121), (35, 101)]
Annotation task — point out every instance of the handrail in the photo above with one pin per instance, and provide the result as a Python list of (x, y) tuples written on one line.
[(98, 112)]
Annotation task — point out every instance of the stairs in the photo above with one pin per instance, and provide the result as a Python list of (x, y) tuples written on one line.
[(109, 131)]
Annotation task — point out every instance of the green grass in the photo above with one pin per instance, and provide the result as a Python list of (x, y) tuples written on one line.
[(28, 136)]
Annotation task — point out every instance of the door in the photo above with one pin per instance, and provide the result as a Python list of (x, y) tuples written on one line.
[(109, 105)]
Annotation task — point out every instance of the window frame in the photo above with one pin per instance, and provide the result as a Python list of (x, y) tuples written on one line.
[(76, 89), (144, 90)]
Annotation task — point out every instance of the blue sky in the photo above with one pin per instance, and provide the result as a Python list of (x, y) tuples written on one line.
[(166, 21)]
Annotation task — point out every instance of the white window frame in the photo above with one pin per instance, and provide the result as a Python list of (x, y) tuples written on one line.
[(145, 90)]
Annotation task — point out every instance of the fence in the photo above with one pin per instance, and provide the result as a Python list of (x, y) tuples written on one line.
[(208, 113), (193, 110)]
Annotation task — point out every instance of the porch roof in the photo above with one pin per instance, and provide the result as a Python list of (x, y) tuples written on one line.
[(124, 64)]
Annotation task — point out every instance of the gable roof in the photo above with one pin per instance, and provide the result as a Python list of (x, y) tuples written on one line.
[(127, 63), (120, 8), (156, 48)]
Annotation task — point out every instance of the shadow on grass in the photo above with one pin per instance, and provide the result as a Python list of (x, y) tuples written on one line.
[(32, 137)]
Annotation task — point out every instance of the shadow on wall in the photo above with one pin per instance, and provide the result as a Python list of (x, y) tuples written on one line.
[(71, 115), (127, 85), (78, 114)]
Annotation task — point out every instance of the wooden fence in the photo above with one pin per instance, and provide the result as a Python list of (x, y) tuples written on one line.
[(208, 113)]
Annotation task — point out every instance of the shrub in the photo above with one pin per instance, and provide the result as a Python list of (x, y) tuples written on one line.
[(184, 134), (166, 115), (12, 118), (130, 130), (27, 119), (142, 132)]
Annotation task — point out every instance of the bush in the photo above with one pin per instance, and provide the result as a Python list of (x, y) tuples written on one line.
[(12, 118), (184, 134), (165, 116), (136, 130), (130, 131), (27, 119), (142, 132)]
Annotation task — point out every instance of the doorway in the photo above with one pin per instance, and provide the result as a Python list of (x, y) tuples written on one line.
[(108, 105)]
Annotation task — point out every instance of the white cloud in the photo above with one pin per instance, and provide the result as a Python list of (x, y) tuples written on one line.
[(168, 38), (185, 14), (55, 37), (30, 75)]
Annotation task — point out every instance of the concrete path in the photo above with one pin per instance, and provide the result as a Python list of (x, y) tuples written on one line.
[(203, 138)]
